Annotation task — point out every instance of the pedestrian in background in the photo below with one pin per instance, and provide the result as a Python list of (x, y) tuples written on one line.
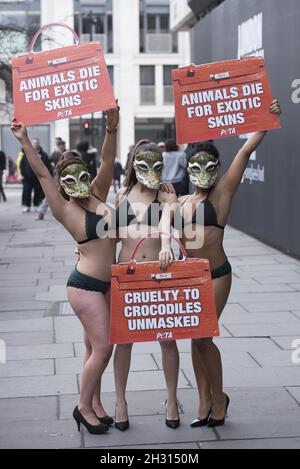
[(59, 150), (118, 171), (30, 181), (54, 158), (2, 168), (175, 168), (89, 157), (162, 147)]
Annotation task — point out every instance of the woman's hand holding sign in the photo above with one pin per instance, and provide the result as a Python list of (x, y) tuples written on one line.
[(19, 130), (231, 180), (103, 180), (112, 119)]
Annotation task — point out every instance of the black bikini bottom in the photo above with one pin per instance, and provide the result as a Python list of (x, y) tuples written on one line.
[(225, 269), (84, 282)]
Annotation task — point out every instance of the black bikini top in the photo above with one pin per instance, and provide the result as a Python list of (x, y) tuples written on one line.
[(91, 224), (125, 214), (210, 216)]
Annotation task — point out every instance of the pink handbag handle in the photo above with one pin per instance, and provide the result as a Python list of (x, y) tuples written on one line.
[(49, 25), (182, 248)]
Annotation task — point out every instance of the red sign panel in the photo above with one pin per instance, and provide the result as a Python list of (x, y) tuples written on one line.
[(61, 83), (222, 99), (148, 304)]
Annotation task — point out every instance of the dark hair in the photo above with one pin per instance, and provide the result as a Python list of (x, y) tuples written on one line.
[(141, 146), (83, 147), (198, 147), (65, 160), (171, 145)]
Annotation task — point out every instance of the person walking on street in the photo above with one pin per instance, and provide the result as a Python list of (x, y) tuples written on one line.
[(2, 168), (118, 171), (30, 181), (175, 167), (88, 157), (54, 158)]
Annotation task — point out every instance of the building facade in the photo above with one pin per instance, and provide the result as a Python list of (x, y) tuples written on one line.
[(266, 205), (140, 52)]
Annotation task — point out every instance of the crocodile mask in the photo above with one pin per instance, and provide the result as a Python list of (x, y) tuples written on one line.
[(203, 170), (75, 181), (148, 168)]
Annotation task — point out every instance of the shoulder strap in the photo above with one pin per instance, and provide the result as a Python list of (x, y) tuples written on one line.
[(98, 198), (184, 201)]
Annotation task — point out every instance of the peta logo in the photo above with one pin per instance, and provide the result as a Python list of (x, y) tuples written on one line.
[(296, 353), (2, 351), (296, 92)]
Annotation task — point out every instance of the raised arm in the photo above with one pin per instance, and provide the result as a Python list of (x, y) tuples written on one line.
[(57, 203), (230, 182), (102, 182)]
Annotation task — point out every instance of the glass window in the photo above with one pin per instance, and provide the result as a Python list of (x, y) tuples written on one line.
[(168, 74), (151, 23), (164, 23), (110, 69), (147, 75)]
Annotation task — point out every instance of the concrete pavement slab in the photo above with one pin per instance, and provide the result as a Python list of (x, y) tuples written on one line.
[(41, 352), (41, 434), (26, 325), (295, 392), (142, 362), (264, 330), (289, 342), (37, 387), (28, 408), (275, 443), (27, 338), (27, 368)]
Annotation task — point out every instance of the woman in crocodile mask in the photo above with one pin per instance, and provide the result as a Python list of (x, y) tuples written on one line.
[(202, 218), (80, 207), (142, 208)]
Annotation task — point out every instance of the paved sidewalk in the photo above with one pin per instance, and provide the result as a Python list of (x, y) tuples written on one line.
[(39, 383)]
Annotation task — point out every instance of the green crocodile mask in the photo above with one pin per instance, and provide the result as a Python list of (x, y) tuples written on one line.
[(148, 168), (203, 170), (75, 181)]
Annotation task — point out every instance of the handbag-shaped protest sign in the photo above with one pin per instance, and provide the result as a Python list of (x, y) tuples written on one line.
[(60, 83), (222, 99), (150, 304)]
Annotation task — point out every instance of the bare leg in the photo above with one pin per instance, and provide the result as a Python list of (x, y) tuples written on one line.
[(92, 310), (97, 404), (122, 361), (201, 375), (170, 362), (207, 359)]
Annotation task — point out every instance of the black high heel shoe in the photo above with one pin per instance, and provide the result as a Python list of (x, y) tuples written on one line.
[(93, 429), (213, 423), (172, 423), (201, 422), (122, 426), (107, 420)]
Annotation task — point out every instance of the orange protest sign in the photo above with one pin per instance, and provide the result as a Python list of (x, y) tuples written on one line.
[(148, 304), (60, 83), (222, 99)]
